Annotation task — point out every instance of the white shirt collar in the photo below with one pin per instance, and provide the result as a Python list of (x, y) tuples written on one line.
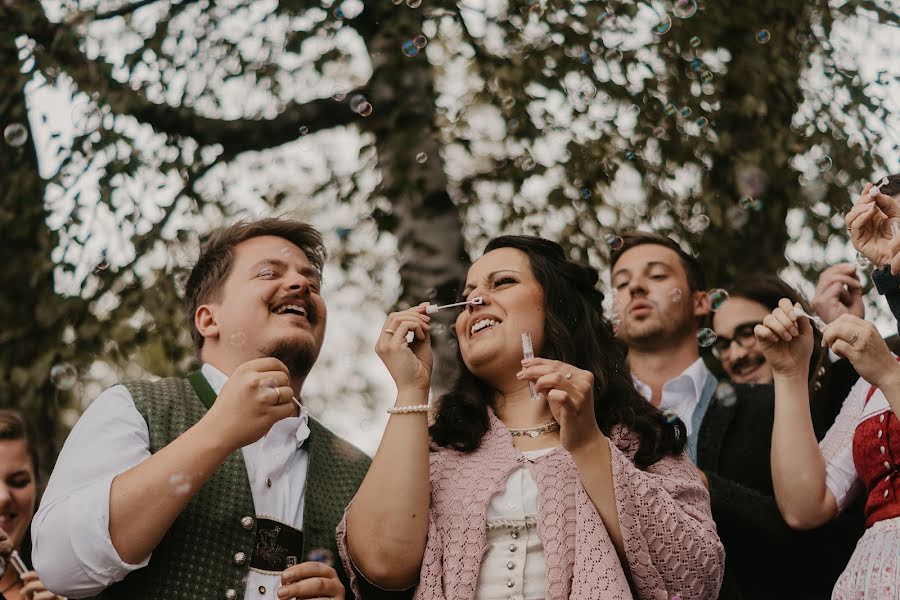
[(680, 394), (298, 426)]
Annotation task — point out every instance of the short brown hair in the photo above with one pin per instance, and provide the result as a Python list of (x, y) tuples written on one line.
[(692, 267), (208, 276), (13, 426)]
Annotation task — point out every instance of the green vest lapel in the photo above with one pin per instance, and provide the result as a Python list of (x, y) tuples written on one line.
[(318, 524)]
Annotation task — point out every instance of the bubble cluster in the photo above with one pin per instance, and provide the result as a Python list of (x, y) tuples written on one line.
[(684, 9), (86, 117), (63, 376), (717, 298), (15, 134), (763, 36), (706, 337), (726, 394), (614, 241), (421, 158)]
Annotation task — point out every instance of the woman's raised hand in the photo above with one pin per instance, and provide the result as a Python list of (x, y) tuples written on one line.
[(786, 340), (409, 363), (869, 226), (860, 342), (570, 394)]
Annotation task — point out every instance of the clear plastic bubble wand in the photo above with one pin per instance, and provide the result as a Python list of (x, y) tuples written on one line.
[(817, 322), (528, 351), (18, 563), (433, 308)]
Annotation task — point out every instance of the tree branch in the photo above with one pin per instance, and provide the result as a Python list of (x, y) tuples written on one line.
[(125, 10), (235, 136)]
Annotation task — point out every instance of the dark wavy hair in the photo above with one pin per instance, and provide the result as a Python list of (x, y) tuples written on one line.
[(577, 333), (768, 289)]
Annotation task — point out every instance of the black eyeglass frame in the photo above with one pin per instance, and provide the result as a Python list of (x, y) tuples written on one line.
[(743, 335)]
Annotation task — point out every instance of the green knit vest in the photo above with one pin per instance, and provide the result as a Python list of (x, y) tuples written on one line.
[(196, 558)]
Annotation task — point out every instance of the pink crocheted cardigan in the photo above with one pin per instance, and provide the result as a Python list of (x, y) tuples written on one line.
[(670, 538)]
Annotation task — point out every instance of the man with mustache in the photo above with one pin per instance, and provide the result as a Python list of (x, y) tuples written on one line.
[(218, 484), (661, 304)]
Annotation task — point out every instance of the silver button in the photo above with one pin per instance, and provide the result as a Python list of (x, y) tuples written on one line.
[(240, 558), (510, 564), (510, 583), (882, 449), (269, 481), (880, 433), (512, 547), (262, 589), (514, 534), (247, 523), (230, 594)]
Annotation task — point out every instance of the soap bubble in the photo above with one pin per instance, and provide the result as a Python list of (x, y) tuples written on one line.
[(102, 263), (706, 337), (338, 93), (420, 41), (63, 376), (421, 158), (726, 394), (629, 154), (824, 163), (695, 41), (717, 298), (614, 241), (702, 122), (585, 193), (324, 555), (664, 26), (675, 296), (763, 36), (303, 130), (15, 134), (696, 64), (746, 202), (686, 111), (409, 48), (698, 223), (706, 76), (685, 9), (414, 3), (364, 110), (671, 109)]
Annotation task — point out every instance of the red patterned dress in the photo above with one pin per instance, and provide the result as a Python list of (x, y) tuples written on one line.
[(862, 452)]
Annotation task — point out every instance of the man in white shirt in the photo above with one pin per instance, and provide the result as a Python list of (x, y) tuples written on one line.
[(218, 485), (661, 303)]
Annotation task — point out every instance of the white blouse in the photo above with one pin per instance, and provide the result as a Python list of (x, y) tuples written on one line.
[(513, 566)]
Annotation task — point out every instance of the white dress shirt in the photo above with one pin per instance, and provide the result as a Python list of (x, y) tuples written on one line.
[(73, 551), (681, 394)]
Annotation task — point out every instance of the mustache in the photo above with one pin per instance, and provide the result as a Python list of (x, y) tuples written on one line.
[(752, 361), (312, 314)]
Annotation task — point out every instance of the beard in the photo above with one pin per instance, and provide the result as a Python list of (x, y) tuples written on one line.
[(298, 356), (661, 331)]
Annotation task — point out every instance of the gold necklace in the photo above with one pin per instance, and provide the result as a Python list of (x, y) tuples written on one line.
[(535, 431)]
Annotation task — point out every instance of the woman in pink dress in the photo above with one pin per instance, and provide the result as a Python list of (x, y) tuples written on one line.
[(548, 477)]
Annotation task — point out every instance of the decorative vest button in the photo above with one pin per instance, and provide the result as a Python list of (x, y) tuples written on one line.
[(510, 565), (262, 589), (880, 433), (269, 481), (240, 558), (247, 523), (512, 547), (882, 449), (230, 594), (887, 465), (885, 493), (510, 583), (514, 534), (881, 418)]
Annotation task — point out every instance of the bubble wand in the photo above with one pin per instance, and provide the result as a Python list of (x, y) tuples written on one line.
[(817, 322), (433, 308), (528, 351)]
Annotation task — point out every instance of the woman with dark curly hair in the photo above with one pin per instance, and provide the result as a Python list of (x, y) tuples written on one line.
[(584, 492)]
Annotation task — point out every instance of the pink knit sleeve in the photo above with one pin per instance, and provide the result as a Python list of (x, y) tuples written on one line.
[(669, 534)]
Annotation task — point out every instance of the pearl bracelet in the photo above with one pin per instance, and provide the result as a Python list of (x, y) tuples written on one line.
[(402, 410)]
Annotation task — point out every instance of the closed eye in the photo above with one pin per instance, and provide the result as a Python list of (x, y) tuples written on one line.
[(504, 281), (267, 273)]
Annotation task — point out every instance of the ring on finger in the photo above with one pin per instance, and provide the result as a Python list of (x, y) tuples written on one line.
[(569, 375), (277, 395), (389, 331)]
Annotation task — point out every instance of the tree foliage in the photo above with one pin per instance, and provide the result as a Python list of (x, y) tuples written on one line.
[(471, 118)]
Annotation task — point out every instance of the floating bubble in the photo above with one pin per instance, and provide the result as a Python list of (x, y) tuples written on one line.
[(237, 339), (613, 55), (633, 110), (686, 111), (757, 205), (414, 3), (702, 122), (670, 417), (343, 232), (706, 76), (338, 93), (717, 298), (421, 158), (726, 394), (339, 13), (508, 102), (676, 295), (355, 101), (614, 241), (409, 48), (746, 202), (696, 64), (664, 26), (585, 57), (303, 130), (63, 376), (698, 223), (629, 155), (431, 293), (763, 36), (15, 134), (824, 163), (102, 263), (659, 132), (862, 261), (365, 109), (684, 9), (706, 337), (671, 109), (585, 193), (695, 41), (324, 555), (420, 41)]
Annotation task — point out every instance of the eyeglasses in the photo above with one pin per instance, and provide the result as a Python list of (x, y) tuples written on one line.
[(743, 335)]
